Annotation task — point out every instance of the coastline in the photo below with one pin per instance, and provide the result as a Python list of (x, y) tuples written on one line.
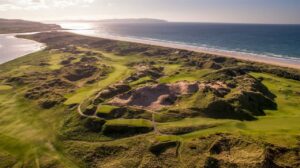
[(231, 54), (19, 47)]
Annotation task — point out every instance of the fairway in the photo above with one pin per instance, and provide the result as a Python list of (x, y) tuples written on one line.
[(120, 71)]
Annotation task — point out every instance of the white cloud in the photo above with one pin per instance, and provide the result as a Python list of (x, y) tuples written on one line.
[(6, 5)]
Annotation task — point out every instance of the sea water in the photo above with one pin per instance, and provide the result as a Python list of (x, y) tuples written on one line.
[(280, 41)]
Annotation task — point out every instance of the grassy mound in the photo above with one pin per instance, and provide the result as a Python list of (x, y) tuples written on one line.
[(125, 127), (259, 110), (161, 147), (243, 100)]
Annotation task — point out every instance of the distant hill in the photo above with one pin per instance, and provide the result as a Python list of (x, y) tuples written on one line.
[(22, 26)]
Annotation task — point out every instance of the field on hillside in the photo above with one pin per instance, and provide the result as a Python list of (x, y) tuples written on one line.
[(88, 102)]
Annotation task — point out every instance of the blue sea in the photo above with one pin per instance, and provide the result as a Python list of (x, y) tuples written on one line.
[(280, 41)]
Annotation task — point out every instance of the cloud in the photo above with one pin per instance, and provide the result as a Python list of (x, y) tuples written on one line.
[(66, 3), (6, 5)]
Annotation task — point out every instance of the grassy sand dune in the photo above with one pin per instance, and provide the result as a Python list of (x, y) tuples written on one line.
[(225, 111)]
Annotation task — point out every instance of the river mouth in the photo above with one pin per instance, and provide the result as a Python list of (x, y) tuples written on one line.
[(12, 47)]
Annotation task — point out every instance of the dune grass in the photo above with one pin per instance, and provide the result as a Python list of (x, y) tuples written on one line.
[(140, 81), (279, 126), (130, 122), (55, 60), (120, 71), (27, 133), (5, 87), (190, 76), (171, 68)]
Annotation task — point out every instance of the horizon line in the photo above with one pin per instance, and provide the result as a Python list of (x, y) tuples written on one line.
[(165, 20)]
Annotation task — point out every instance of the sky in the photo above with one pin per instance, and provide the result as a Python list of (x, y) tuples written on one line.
[(228, 11)]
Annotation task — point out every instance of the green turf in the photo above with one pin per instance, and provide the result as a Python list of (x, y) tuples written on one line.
[(106, 108)]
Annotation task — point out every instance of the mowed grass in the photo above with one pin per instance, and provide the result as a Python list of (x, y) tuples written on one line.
[(279, 126), (120, 71), (106, 109)]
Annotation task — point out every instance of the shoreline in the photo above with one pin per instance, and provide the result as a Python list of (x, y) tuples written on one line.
[(231, 54), (20, 47)]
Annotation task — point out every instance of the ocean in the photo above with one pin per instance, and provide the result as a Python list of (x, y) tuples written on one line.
[(280, 41)]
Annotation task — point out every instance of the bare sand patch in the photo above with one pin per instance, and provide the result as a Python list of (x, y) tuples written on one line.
[(155, 97)]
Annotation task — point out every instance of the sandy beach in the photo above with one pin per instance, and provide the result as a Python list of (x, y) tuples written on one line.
[(292, 63)]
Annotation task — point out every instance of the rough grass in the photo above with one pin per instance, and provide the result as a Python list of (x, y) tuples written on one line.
[(130, 122), (140, 81), (171, 68), (55, 60), (27, 133), (279, 126), (191, 76), (24, 63), (120, 71), (5, 87)]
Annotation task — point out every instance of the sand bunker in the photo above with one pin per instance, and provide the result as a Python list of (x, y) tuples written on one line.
[(158, 96)]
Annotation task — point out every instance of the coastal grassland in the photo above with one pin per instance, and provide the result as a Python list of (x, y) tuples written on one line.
[(140, 81), (280, 126), (5, 87), (55, 60), (171, 68), (120, 71), (29, 134), (33, 136), (23, 64), (190, 75), (130, 122)]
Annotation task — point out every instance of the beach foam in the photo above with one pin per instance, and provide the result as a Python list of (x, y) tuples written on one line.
[(267, 58)]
